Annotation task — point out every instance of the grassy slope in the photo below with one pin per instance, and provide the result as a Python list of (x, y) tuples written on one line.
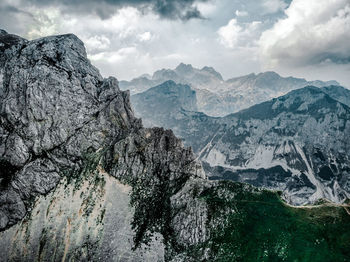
[(256, 225)]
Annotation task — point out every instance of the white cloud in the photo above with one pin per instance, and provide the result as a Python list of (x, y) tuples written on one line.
[(241, 13), (45, 23), (273, 6), (131, 42), (207, 8), (229, 34), (233, 34), (97, 43), (144, 37), (115, 56), (313, 32)]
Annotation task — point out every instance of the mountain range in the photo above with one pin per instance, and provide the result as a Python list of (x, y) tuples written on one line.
[(216, 97), (297, 143)]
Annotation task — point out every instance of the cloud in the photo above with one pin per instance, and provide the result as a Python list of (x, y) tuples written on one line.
[(13, 18), (241, 13), (168, 9), (128, 38), (234, 34), (144, 37), (312, 33), (229, 34), (115, 56), (97, 43), (44, 23), (273, 6)]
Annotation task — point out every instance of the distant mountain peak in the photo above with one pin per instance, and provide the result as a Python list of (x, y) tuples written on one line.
[(184, 69), (165, 74), (167, 83), (212, 71), (183, 65), (269, 75), (148, 76)]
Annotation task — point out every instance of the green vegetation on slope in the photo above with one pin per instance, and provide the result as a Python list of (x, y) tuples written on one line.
[(249, 224)]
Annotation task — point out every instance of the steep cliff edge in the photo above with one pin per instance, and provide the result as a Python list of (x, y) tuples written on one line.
[(82, 180)]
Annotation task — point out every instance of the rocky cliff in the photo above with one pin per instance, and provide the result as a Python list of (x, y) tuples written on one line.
[(82, 180)]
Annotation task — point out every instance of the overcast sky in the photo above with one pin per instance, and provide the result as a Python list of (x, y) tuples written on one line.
[(127, 38)]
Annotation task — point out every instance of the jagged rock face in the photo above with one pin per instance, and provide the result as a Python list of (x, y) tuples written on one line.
[(86, 218), (55, 106)]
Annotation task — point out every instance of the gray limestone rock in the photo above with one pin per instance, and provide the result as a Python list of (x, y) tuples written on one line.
[(55, 106)]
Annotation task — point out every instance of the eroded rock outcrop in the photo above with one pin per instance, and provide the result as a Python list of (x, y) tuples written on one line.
[(55, 107)]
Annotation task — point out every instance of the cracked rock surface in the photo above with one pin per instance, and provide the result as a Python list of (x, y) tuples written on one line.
[(54, 107)]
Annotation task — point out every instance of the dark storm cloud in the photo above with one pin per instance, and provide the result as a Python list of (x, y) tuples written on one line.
[(330, 57), (168, 9)]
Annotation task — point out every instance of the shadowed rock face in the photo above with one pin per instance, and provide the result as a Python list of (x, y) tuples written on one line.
[(55, 106)]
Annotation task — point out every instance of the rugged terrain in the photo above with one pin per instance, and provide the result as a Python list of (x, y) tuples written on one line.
[(82, 180), (218, 97), (297, 143)]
